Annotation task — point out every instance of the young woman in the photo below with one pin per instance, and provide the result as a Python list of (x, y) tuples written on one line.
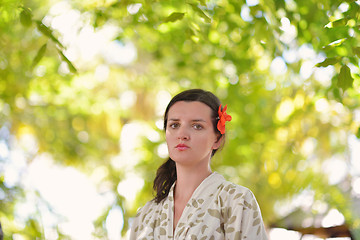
[(191, 201)]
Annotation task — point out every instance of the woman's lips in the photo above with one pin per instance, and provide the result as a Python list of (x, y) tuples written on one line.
[(182, 147)]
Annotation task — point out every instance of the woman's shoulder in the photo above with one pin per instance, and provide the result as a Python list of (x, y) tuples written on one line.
[(234, 192), (152, 209), (231, 188), (149, 207)]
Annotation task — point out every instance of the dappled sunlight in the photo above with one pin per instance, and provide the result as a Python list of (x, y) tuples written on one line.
[(324, 75), (115, 223), (354, 147), (162, 150), (130, 186), (333, 218), (85, 43), (278, 66), (289, 31), (285, 109), (84, 86), (283, 234), (245, 13), (70, 194), (356, 186), (336, 169), (162, 98)]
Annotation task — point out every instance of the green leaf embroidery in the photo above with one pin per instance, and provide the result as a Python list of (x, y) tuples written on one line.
[(248, 205), (163, 217), (194, 203), (181, 225), (256, 222), (232, 219), (214, 213), (238, 195), (254, 205), (162, 231), (201, 215), (203, 229), (230, 230)]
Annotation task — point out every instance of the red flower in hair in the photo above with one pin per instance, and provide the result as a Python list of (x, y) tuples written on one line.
[(223, 118)]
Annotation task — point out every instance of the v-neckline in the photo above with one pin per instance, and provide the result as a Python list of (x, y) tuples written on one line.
[(172, 205)]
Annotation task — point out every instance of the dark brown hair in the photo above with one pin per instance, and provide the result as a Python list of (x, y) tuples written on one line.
[(166, 173)]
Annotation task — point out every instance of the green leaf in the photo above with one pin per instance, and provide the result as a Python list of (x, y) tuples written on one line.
[(337, 95), (69, 63), (340, 22), (200, 12), (328, 61), (174, 17), (345, 80), (25, 17), (47, 32), (334, 44), (189, 32), (202, 2), (356, 50), (358, 133), (39, 55), (43, 29)]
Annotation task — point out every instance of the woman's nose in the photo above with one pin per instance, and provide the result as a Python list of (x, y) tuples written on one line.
[(184, 137), (183, 134)]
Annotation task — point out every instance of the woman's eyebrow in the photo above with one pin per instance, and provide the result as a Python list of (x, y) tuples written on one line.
[(198, 120), (194, 120)]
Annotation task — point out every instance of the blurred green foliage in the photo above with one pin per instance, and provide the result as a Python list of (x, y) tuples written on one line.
[(285, 124)]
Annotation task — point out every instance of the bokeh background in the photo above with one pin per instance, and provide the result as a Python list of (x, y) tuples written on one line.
[(84, 84)]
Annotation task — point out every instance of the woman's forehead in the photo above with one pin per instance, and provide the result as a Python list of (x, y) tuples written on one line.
[(193, 109)]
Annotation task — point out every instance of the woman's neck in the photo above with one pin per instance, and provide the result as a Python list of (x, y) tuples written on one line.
[(188, 180)]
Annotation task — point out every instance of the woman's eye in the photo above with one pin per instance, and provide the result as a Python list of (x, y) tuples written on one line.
[(197, 126), (174, 125)]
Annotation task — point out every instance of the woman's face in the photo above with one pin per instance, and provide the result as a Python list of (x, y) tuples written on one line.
[(190, 133)]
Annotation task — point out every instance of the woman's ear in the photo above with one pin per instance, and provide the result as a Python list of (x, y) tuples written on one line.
[(218, 142)]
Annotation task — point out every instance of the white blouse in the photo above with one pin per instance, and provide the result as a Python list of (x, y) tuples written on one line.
[(217, 210)]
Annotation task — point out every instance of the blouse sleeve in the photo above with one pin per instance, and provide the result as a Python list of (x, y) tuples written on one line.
[(138, 224), (242, 217), (135, 226)]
